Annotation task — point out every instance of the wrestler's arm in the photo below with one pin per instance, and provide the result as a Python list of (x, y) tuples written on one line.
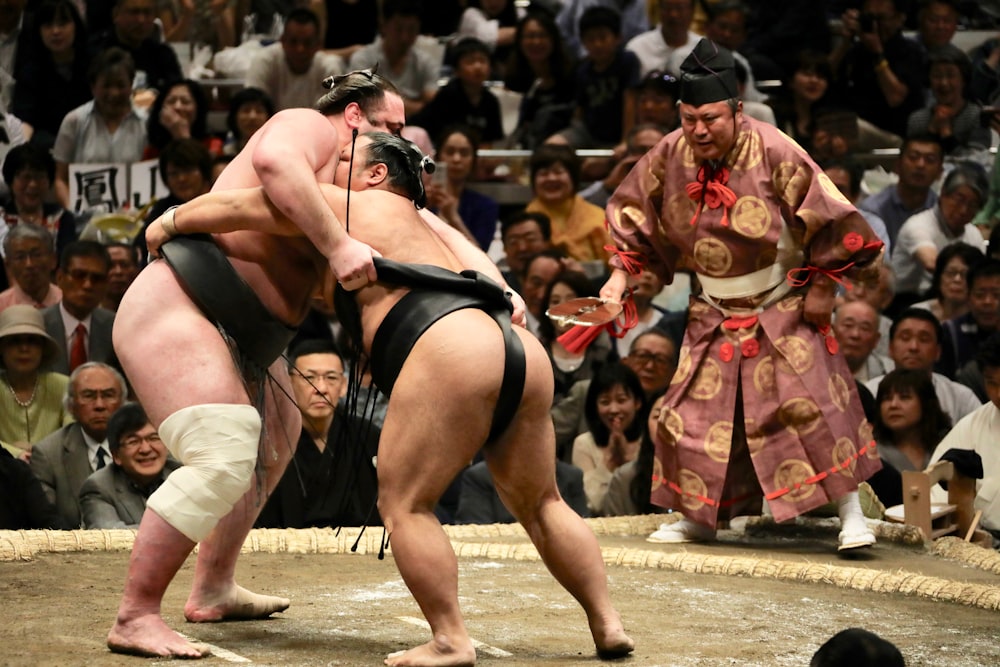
[(286, 159), (472, 257)]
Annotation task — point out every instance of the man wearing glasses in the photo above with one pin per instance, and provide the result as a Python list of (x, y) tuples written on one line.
[(115, 495)]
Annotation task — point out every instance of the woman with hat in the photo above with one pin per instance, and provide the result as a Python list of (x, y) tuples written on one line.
[(31, 399)]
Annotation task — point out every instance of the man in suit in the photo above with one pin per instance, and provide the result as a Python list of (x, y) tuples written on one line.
[(81, 329), (63, 460), (115, 496)]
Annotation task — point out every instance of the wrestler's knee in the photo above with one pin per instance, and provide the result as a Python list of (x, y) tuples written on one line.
[(217, 444)]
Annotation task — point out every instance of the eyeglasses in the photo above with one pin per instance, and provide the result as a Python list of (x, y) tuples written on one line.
[(82, 275), (642, 358), (951, 274), (135, 440)]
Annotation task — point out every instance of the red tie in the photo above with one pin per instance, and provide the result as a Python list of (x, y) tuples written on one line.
[(78, 355)]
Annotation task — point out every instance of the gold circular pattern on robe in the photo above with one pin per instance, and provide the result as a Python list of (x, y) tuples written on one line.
[(751, 151), (791, 181), (839, 392), (628, 218), (790, 473), (683, 365), (790, 304), (750, 217), (801, 415), (831, 189), (719, 440), (657, 474), (865, 436), (707, 381), (755, 439), (680, 209), (797, 355), (691, 485), (673, 424), (845, 450), (763, 377), (713, 257)]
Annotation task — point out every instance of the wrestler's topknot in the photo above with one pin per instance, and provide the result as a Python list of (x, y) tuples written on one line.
[(366, 87), (406, 164)]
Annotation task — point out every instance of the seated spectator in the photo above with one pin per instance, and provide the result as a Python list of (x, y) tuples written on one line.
[(726, 25), (199, 22), (539, 272), (465, 99), (927, 233), (80, 327), (186, 170), (615, 417), (605, 81), (951, 116), (412, 71), (964, 334), (570, 367), (980, 432), (30, 171), (937, 22), (879, 71), (634, 20), (349, 25), (331, 480), (776, 32), (915, 344), (801, 94), (31, 262), (134, 29), (647, 287), (480, 503), (640, 139), (51, 75), (653, 357), (462, 208), (909, 423), (179, 112), (949, 293), (115, 496), (756, 110), (23, 505), (524, 235), (493, 22), (879, 293), (846, 173), (106, 129), (919, 165), (577, 225), (541, 70), (124, 269), (631, 483), (249, 109), (31, 407), (291, 71), (63, 460), (855, 324), (670, 42), (985, 80), (858, 648), (656, 100)]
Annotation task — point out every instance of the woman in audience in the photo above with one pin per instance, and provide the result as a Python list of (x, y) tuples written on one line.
[(541, 70), (577, 225), (51, 71), (631, 484), (908, 425), (952, 116), (494, 22), (30, 170), (180, 112), (106, 129), (949, 293), (802, 94), (614, 412), (31, 399), (569, 367), (249, 109), (449, 197)]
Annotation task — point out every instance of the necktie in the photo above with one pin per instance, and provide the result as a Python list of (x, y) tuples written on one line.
[(100, 457), (78, 354)]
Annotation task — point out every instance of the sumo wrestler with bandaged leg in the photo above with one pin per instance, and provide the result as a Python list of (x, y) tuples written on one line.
[(439, 413)]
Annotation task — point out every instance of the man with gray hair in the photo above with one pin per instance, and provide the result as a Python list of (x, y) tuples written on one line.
[(29, 252), (63, 460)]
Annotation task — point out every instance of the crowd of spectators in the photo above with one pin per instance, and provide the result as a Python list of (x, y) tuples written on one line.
[(109, 87)]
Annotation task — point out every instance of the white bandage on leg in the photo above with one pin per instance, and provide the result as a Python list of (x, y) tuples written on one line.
[(217, 443)]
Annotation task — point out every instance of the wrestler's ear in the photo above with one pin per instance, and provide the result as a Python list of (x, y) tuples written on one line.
[(353, 115), (378, 174)]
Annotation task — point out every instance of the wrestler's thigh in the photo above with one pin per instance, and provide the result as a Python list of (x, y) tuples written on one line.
[(174, 358), (522, 461), (441, 407)]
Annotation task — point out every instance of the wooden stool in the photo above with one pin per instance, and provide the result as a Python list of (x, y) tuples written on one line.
[(956, 517)]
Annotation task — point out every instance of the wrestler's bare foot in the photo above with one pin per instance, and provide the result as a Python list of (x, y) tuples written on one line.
[(610, 638), (233, 604), (439, 652), (149, 636)]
